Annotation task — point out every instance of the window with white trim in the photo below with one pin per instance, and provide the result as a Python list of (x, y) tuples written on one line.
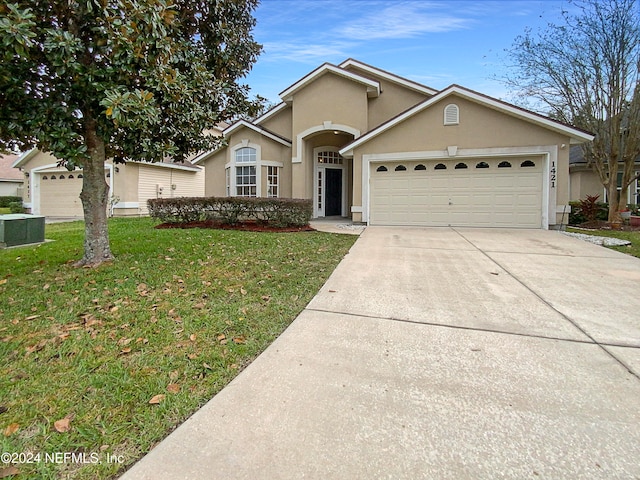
[(451, 114), (246, 185), (227, 181), (245, 174), (273, 182)]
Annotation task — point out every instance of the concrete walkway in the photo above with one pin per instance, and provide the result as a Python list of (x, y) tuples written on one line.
[(437, 354)]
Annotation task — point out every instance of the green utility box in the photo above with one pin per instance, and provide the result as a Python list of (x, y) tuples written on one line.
[(21, 229)]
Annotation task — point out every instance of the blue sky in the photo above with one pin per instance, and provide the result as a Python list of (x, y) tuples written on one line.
[(435, 43)]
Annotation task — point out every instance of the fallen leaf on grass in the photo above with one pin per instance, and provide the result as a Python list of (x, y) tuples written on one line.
[(243, 291), (33, 317), (11, 429), (8, 472), (157, 399), (124, 351), (173, 388), (192, 337), (240, 340), (63, 425), (3, 281)]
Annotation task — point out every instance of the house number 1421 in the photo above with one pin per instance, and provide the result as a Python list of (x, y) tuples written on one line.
[(552, 177)]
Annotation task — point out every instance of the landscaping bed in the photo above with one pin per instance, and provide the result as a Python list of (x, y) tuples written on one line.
[(248, 226)]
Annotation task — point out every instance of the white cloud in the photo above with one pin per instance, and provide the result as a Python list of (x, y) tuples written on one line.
[(403, 20)]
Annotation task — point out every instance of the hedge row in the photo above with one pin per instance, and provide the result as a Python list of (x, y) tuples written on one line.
[(5, 201), (577, 216), (279, 212)]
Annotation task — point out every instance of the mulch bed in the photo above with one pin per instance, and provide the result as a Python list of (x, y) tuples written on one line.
[(245, 226)]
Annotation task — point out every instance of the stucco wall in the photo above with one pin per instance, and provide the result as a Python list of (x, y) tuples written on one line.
[(280, 123)]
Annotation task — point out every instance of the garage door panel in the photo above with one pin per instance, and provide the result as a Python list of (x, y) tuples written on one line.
[(485, 197)]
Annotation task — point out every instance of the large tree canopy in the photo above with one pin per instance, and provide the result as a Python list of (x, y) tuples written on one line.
[(88, 80), (585, 70)]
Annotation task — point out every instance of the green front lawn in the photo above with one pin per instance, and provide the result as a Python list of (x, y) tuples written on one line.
[(108, 361), (633, 237)]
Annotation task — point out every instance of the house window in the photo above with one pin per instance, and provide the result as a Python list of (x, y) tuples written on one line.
[(61, 177), (246, 181), (504, 165), (440, 166), (400, 168), (482, 165), (45, 177), (460, 165), (527, 163), (227, 181), (636, 194), (246, 184), (381, 168), (273, 182), (451, 114), (420, 167), (330, 157), (53, 177), (246, 155)]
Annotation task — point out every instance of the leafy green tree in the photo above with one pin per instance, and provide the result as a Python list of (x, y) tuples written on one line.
[(585, 70), (89, 80)]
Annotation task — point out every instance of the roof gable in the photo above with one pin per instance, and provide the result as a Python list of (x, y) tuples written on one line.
[(373, 87), (237, 126), (388, 76), (576, 135)]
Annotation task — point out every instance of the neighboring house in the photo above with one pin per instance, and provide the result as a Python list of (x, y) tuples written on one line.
[(51, 190), (367, 144), (11, 179), (585, 181)]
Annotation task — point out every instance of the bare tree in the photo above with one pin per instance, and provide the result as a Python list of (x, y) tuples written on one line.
[(585, 71)]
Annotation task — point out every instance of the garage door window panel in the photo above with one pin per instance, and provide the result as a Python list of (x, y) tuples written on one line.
[(401, 168), (381, 168), (460, 166), (527, 163)]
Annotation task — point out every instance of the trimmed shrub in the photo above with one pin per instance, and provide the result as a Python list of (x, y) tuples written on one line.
[(277, 212), (16, 207), (6, 201)]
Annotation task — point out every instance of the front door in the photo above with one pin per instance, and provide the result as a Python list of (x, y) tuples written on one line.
[(333, 195)]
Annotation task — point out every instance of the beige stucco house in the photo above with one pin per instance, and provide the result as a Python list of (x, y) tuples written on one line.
[(51, 190), (381, 149), (585, 181)]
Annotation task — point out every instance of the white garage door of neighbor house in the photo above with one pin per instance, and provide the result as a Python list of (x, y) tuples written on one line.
[(475, 193), (60, 194)]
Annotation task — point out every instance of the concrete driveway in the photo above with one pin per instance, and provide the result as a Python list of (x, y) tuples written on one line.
[(439, 354)]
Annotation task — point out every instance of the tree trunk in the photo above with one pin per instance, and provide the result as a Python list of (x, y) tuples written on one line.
[(95, 199), (612, 193)]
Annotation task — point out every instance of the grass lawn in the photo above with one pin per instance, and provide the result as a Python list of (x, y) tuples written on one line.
[(633, 237), (106, 362)]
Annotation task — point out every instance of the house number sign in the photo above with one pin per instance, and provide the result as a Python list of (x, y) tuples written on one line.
[(552, 174)]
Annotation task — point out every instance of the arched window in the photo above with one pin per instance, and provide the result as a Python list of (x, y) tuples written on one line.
[(527, 163), (381, 168), (420, 167), (53, 177), (440, 166), (400, 168), (245, 174), (451, 114), (45, 177), (61, 177), (70, 176), (482, 165), (80, 175), (504, 164), (460, 165)]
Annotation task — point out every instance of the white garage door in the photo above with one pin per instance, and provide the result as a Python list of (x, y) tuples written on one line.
[(476, 193), (60, 194)]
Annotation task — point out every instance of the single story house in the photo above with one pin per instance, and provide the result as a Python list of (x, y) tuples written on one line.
[(367, 144), (11, 179), (52, 190), (585, 181)]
